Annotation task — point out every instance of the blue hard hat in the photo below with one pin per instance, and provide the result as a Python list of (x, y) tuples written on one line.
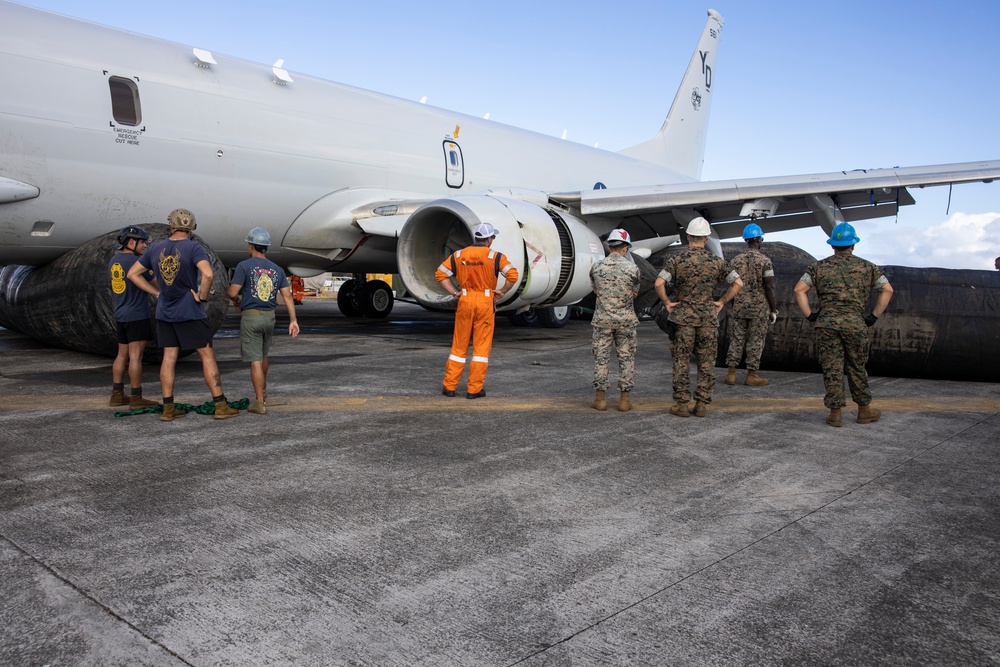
[(843, 235), (752, 231), (259, 236)]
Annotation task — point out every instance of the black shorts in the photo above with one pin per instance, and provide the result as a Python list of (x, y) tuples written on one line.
[(130, 332), (189, 335)]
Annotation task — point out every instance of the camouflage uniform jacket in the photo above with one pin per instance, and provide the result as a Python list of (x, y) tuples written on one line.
[(753, 266), (615, 281), (694, 274), (843, 284)]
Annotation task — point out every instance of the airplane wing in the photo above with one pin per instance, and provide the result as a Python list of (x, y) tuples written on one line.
[(776, 203)]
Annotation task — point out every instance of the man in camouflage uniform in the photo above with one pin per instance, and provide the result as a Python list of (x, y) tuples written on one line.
[(843, 283), (616, 284), (694, 274), (753, 308)]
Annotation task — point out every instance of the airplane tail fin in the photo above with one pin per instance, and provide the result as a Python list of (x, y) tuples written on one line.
[(680, 143)]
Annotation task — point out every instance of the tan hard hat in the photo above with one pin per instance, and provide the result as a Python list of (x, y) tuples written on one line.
[(182, 219)]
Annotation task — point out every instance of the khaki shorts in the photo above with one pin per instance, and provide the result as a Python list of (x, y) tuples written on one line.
[(256, 330)]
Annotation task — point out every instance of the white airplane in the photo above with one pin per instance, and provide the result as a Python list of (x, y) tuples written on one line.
[(102, 128)]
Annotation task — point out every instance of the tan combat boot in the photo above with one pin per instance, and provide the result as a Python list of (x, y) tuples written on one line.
[(171, 413), (136, 401), (835, 418), (625, 403), (257, 407), (867, 414), (118, 397), (600, 403), (754, 380), (731, 375), (223, 411), (700, 409), (681, 409)]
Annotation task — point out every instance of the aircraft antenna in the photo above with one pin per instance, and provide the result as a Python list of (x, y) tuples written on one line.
[(281, 76)]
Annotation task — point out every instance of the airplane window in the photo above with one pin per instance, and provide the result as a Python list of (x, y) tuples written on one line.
[(125, 101), (453, 157)]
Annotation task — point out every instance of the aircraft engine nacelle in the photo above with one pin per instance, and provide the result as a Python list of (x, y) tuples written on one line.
[(552, 251)]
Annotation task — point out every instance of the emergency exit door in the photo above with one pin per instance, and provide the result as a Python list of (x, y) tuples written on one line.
[(454, 174)]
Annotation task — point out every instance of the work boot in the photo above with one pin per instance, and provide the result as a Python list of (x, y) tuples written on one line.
[(624, 403), (835, 418), (479, 394), (136, 401), (257, 408), (171, 413), (754, 380), (681, 409), (118, 397), (700, 409), (447, 392), (223, 411), (731, 375), (867, 414), (600, 402)]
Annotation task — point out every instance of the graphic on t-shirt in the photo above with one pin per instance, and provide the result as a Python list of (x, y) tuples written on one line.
[(117, 278), (170, 266), (262, 283)]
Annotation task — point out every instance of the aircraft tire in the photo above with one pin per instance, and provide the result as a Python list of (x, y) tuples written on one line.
[(376, 299), (525, 319), (346, 300), (555, 317)]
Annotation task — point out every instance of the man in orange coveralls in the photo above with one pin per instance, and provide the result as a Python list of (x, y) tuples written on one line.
[(475, 269)]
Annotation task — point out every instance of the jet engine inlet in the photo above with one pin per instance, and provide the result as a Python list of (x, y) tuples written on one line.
[(552, 251)]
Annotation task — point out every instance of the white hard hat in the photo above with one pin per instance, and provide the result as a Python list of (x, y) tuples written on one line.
[(699, 227), (486, 230), (619, 237)]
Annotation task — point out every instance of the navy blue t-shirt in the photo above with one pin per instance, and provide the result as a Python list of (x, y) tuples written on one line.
[(260, 280), (175, 265), (131, 303)]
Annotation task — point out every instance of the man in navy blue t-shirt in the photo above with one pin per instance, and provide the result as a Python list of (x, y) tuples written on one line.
[(131, 319), (254, 289), (181, 322)]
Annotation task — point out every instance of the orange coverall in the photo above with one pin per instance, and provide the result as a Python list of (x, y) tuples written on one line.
[(475, 269)]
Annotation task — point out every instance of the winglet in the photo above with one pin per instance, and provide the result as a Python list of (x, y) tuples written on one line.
[(680, 143)]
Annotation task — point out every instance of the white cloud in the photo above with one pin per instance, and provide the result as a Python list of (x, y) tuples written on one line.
[(962, 241)]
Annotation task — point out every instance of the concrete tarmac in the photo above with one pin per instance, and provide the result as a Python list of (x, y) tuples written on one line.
[(369, 520)]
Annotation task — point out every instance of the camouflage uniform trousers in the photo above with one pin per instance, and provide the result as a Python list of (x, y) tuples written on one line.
[(748, 332), (704, 342), (843, 353), (625, 340)]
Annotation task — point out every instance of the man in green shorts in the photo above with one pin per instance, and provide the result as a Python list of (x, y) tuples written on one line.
[(254, 289)]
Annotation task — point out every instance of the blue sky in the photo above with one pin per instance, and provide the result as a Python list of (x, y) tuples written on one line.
[(800, 87)]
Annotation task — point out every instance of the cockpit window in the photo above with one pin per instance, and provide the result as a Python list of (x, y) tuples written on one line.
[(125, 101)]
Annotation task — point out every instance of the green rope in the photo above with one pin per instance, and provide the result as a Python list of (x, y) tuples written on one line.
[(206, 408)]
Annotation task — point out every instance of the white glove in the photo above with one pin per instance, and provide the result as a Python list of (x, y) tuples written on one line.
[(772, 317)]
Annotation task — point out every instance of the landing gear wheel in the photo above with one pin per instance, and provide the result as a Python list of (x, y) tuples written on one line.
[(347, 299), (553, 318), (376, 299), (523, 319)]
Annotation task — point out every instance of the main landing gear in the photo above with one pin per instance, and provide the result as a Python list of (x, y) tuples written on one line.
[(359, 297), (555, 317)]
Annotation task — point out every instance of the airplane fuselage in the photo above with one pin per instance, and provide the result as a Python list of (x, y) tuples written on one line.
[(89, 111)]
